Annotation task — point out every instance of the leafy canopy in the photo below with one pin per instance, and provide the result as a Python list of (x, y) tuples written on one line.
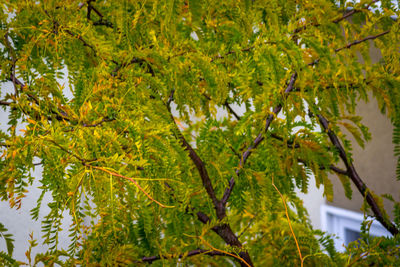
[(152, 148)]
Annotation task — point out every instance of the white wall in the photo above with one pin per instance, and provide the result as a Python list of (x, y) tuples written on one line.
[(19, 222)]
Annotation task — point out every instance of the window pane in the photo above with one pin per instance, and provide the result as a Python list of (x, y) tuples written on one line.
[(350, 235)]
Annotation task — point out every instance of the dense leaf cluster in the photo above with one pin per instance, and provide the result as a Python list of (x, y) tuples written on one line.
[(152, 158)]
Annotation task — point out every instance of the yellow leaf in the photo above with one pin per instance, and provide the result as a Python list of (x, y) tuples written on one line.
[(31, 121)]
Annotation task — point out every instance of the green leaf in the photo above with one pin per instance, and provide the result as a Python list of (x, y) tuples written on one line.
[(8, 239)]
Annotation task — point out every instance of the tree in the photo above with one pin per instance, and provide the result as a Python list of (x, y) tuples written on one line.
[(139, 147)]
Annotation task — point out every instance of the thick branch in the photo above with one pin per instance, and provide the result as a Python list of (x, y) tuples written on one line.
[(256, 142), (226, 233), (361, 186), (230, 238), (201, 167), (223, 230)]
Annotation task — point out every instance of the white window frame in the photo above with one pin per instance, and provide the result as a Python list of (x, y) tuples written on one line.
[(336, 220)]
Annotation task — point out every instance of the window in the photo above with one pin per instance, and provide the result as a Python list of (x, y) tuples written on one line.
[(346, 225)]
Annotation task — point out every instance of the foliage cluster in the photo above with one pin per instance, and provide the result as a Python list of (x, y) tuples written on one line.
[(142, 149)]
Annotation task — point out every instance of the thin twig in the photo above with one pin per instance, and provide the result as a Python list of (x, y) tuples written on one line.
[(101, 21), (82, 160), (99, 123), (171, 97), (232, 52), (230, 109), (256, 141), (11, 52), (81, 40), (290, 144), (371, 37), (338, 170), (248, 225), (289, 222), (5, 103), (188, 254), (331, 167), (345, 16), (134, 182), (227, 105)]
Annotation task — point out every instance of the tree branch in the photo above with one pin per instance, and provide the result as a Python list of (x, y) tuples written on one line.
[(200, 165), (82, 160), (101, 21), (134, 60), (354, 11), (230, 109), (361, 186), (290, 144), (371, 37), (189, 254), (60, 114), (22, 85), (4, 103), (227, 105), (331, 167), (338, 170), (336, 21), (79, 37), (171, 97), (232, 52), (256, 142), (223, 230), (81, 40), (99, 123), (11, 52)]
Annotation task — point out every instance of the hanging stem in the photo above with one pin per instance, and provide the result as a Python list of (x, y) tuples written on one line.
[(290, 224), (134, 182)]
